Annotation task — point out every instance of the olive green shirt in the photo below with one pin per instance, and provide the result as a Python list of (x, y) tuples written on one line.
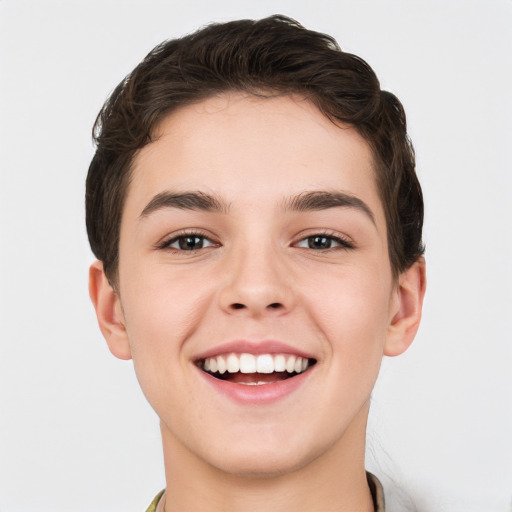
[(373, 483), (154, 503)]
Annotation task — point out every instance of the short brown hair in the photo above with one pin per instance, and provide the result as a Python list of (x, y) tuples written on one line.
[(274, 55)]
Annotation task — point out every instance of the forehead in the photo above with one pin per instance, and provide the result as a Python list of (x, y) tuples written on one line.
[(251, 149)]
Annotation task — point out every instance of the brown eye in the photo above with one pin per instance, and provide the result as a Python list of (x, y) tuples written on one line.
[(319, 242), (190, 243), (322, 242), (187, 242)]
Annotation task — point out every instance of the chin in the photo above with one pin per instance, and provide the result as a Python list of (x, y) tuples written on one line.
[(256, 461), (262, 468)]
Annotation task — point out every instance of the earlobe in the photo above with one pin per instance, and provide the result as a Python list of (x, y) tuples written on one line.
[(108, 311), (406, 314)]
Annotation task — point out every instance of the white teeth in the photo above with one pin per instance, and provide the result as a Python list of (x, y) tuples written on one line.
[(233, 363), (259, 383), (221, 365), (280, 363), (265, 364), (249, 363)]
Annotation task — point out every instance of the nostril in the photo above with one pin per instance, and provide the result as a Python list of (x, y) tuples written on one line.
[(239, 305)]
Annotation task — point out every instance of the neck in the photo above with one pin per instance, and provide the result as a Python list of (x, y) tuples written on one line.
[(333, 482)]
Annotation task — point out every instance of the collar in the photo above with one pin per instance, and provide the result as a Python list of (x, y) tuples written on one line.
[(373, 483), (377, 492)]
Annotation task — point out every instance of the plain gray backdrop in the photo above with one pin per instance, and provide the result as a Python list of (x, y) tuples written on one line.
[(75, 431)]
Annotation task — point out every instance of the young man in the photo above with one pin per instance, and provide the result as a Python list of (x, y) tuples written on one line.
[(257, 219)]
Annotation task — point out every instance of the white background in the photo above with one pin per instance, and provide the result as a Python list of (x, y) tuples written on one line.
[(75, 431)]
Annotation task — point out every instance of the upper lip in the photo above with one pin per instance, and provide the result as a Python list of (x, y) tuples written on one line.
[(253, 347)]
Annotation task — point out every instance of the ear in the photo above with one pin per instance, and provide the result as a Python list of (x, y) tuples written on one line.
[(108, 311), (406, 309)]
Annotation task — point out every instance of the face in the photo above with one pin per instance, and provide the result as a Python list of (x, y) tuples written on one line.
[(255, 288)]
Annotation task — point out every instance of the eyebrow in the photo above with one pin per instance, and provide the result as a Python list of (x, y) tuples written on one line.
[(185, 201), (306, 201), (323, 200)]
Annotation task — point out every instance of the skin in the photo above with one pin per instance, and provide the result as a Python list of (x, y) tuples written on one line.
[(257, 278)]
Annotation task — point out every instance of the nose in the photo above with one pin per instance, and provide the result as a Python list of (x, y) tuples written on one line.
[(257, 283)]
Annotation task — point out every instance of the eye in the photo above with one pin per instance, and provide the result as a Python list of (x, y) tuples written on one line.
[(187, 242), (322, 242)]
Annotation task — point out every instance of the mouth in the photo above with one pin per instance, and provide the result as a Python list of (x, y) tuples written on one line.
[(255, 370)]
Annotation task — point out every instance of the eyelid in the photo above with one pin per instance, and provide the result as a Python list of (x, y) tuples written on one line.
[(344, 241), (168, 240)]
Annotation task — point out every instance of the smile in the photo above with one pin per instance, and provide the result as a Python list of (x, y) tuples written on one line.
[(256, 370)]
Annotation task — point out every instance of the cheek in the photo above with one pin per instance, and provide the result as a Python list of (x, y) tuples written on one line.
[(160, 316), (351, 307), (162, 310)]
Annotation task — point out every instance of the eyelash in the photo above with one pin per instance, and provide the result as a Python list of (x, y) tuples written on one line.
[(344, 243), (166, 244)]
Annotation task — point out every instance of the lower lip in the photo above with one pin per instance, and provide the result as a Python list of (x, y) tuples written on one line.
[(259, 394)]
